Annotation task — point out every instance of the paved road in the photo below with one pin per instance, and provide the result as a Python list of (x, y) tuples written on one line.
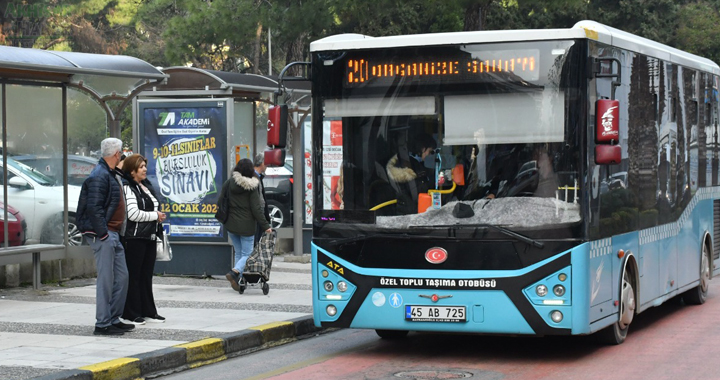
[(672, 341)]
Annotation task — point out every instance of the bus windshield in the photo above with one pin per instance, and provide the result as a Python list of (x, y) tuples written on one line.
[(461, 135)]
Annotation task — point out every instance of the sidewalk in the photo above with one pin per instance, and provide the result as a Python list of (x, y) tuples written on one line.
[(49, 333)]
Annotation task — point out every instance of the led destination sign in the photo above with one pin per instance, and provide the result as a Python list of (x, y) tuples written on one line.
[(472, 68)]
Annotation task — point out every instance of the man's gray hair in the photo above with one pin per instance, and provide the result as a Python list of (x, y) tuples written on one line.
[(259, 159), (110, 146)]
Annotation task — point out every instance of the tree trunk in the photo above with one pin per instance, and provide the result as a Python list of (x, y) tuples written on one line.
[(258, 45), (476, 15), (296, 53)]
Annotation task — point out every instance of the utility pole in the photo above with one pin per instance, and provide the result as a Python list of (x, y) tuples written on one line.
[(269, 51)]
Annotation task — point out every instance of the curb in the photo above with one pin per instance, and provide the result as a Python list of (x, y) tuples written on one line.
[(193, 354)]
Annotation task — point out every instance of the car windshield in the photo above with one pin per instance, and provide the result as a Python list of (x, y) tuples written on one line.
[(35, 175)]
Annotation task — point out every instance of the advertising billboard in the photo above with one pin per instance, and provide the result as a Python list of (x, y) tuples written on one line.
[(185, 144)]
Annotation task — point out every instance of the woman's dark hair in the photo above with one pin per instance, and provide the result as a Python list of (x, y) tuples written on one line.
[(245, 168), (422, 141), (132, 164)]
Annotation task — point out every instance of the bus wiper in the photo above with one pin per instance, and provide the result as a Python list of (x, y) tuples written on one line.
[(501, 229)]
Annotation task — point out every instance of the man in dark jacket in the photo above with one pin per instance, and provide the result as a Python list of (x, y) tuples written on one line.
[(259, 164), (101, 216)]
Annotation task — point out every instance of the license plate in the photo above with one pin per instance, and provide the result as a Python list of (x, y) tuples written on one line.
[(435, 313)]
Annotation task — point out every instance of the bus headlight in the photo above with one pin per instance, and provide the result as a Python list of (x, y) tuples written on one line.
[(331, 310), (342, 286), (328, 286), (556, 316), (541, 290), (559, 290)]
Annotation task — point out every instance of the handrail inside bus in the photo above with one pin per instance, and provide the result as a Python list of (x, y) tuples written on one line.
[(447, 191), (381, 205)]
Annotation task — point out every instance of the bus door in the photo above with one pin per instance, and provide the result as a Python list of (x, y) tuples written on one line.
[(613, 202)]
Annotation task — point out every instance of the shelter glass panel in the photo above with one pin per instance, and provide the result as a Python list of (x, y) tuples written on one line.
[(242, 130), (87, 127), (34, 149)]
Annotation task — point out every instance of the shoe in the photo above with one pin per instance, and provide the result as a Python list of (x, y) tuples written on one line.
[(156, 319), (233, 278), (110, 330), (136, 321), (124, 326)]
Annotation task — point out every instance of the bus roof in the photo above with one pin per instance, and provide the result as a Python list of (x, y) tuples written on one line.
[(583, 29)]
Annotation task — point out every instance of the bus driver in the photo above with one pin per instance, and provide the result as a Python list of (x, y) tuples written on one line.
[(412, 176)]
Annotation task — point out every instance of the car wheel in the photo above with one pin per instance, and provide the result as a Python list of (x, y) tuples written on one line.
[(54, 229), (698, 295), (617, 332), (279, 214)]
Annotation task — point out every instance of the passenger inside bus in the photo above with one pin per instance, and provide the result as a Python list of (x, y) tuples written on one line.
[(409, 176)]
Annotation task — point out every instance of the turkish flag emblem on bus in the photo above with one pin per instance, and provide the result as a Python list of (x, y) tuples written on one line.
[(608, 120), (436, 255)]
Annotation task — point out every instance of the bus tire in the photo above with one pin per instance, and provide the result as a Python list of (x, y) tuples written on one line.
[(698, 294), (391, 334), (617, 332)]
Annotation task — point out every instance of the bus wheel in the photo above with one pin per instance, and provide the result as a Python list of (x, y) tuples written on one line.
[(391, 334), (617, 332), (698, 294)]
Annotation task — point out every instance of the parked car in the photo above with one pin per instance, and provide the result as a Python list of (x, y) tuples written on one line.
[(17, 227), (79, 167), (40, 199), (278, 183)]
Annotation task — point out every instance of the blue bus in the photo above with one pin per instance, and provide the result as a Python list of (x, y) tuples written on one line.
[(525, 182)]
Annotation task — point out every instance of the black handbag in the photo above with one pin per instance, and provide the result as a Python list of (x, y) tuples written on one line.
[(223, 209)]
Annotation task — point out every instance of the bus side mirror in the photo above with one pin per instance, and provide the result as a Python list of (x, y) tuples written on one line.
[(608, 154), (277, 126), (274, 157)]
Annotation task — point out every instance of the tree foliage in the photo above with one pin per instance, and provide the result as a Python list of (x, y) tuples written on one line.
[(697, 30), (237, 35)]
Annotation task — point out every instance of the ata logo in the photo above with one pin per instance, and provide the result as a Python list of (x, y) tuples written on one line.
[(335, 267), (607, 122)]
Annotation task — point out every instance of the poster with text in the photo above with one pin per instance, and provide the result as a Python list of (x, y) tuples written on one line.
[(184, 146), (332, 159), (308, 172)]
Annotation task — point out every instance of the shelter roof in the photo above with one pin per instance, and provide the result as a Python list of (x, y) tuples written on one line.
[(192, 78), (102, 74), (19, 62)]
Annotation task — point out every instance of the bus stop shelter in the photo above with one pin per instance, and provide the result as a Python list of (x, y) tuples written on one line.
[(224, 116), (55, 105)]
